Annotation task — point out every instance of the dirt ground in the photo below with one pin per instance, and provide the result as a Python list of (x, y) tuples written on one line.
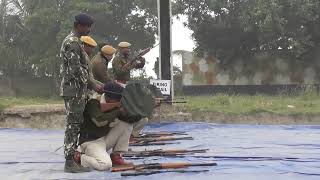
[(53, 117)]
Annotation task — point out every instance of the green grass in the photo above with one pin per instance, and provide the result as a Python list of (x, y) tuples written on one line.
[(298, 103), (6, 102), (307, 102)]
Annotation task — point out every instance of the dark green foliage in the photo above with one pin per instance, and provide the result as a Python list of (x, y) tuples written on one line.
[(32, 30), (241, 29)]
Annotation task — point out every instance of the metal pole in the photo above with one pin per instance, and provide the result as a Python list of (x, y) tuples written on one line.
[(164, 12), (159, 34)]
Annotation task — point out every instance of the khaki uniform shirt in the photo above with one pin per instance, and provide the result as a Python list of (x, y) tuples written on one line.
[(100, 68), (119, 72)]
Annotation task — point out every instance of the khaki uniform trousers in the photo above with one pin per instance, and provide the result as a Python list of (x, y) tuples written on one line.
[(95, 152)]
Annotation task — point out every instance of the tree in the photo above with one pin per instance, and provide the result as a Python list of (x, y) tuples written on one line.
[(235, 29), (32, 30)]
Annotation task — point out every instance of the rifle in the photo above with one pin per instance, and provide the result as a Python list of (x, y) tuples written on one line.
[(146, 173), (142, 139), (160, 152), (256, 158), (142, 53), (173, 102), (159, 134), (160, 166), (151, 143), (169, 101)]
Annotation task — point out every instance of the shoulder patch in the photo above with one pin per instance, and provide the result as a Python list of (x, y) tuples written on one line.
[(74, 39), (71, 43)]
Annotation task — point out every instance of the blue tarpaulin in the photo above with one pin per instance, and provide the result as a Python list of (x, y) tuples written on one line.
[(241, 151)]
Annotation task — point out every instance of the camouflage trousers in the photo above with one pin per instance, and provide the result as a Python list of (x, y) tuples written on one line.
[(74, 108)]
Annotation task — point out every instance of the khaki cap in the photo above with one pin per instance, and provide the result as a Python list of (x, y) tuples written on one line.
[(88, 40), (108, 50), (124, 44)]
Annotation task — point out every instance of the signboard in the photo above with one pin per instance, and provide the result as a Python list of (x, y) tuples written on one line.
[(163, 85)]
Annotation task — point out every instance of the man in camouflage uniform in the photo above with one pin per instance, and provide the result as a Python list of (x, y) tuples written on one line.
[(122, 66), (74, 87), (100, 63)]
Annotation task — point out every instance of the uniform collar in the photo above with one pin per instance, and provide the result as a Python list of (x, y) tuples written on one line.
[(103, 58), (123, 58)]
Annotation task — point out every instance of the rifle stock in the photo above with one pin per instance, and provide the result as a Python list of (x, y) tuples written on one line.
[(160, 166), (119, 169)]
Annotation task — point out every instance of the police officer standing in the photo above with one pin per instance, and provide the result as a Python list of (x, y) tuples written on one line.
[(88, 45), (74, 87), (122, 64), (100, 63)]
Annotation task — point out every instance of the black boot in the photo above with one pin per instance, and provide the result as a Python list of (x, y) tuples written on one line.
[(72, 166)]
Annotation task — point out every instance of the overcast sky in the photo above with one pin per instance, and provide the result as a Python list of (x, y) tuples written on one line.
[(181, 40)]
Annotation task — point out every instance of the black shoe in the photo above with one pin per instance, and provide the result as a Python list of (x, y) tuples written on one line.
[(71, 166)]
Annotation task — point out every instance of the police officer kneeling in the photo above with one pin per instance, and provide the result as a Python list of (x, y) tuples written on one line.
[(102, 131)]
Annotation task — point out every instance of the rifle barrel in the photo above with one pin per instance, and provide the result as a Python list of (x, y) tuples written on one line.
[(155, 135), (173, 152), (166, 133), (162, 139), (143, 52), (159, 172), (154, 154), (174, 102), (183, 165), (152, 143)]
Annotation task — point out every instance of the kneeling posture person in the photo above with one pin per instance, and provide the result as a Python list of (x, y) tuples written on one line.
[(103, 131)]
